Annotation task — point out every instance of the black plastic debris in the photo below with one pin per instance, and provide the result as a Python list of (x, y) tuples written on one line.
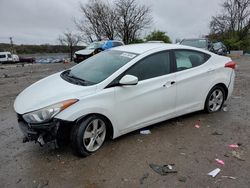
[(163, 170), (144, 177), (43, 183), (182, 179), (19, 180), (217, 133), (6, 76)]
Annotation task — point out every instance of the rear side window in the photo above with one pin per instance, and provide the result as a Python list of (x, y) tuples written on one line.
[(152, 66), (186, 59), (2, 56)]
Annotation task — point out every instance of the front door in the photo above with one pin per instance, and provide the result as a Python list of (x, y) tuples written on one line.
[(152, 99)]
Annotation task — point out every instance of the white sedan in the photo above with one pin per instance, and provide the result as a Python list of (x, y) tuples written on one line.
[(122, 90)]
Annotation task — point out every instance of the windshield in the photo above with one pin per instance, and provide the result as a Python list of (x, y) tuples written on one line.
[(195, 43), (99, 67), (95, 45), (217, 45)]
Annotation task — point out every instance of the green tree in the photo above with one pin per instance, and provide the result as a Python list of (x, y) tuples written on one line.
[(158, 36), (137, 41)]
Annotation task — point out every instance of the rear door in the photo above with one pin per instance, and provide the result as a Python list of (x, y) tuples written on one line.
[(152, 99), (194, 75)]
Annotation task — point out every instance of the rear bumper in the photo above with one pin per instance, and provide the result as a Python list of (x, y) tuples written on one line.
[(231, 84)]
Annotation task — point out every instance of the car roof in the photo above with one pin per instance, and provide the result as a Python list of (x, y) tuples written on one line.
[(142, 48), (5, 53)]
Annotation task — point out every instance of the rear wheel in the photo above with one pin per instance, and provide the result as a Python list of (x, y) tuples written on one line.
[(215, 99), (89, 135)]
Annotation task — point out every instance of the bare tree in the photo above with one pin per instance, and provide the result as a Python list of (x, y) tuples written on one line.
[(124, 19), (98, 20), (132, 18), (235, 18), (71, 40), (232, 25)]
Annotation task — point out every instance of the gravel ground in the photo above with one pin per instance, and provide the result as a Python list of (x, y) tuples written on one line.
[(124, 162)]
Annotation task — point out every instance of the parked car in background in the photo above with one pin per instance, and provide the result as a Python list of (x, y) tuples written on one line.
[(202, 43), (121, 90), (15, 58), (220, 48), (23, 59), (6, 57), (95, 48)]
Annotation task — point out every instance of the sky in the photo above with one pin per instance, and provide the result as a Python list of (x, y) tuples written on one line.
[(42, 21)]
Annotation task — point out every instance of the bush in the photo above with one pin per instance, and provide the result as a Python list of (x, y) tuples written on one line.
[(158, 36)]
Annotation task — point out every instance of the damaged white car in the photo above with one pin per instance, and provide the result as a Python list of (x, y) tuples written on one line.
[(121, 90)]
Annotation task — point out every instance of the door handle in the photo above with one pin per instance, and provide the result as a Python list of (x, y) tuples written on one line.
[(169, 84)]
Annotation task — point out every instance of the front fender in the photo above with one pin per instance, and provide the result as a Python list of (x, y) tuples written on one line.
[(101, 103)]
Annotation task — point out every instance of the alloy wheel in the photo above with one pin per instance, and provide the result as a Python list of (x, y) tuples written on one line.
[(216, 100), (94, 135)]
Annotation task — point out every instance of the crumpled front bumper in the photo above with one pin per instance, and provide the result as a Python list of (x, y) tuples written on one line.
[(44, 132)]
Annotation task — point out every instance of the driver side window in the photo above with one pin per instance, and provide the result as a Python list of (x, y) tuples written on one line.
[(152, 66)]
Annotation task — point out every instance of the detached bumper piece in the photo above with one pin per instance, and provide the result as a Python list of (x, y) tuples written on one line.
[(44, 133)]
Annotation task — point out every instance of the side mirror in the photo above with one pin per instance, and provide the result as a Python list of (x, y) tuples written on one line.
[(128, 80)]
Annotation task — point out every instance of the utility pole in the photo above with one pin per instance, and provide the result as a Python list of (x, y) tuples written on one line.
[(11, 45)]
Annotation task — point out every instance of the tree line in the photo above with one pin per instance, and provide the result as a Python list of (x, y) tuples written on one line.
[(232, 25), (126, 19), (32, 49)]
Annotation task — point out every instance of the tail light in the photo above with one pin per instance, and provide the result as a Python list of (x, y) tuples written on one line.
[(231, 65)]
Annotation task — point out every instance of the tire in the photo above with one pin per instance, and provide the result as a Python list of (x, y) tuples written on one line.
[(215, 99), (88, 135)]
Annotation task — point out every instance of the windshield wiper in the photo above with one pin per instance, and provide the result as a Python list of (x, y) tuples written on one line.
[(73, 78), (77, 80)]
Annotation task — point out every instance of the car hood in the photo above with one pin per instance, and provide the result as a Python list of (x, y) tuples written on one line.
[(48, 91), (85, 52)]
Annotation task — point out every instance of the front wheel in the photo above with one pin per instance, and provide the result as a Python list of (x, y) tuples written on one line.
[(88, 135), (215, 99)]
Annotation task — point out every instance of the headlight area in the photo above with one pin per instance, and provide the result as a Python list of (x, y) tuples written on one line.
[(42, 127), (46, 114)]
